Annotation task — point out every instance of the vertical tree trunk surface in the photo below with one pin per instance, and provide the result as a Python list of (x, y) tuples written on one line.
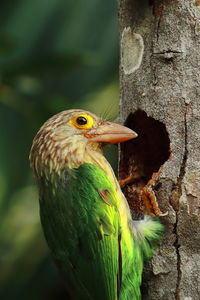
[(160, 81)]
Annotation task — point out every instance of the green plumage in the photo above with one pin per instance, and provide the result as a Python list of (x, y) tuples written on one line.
[(98, 256), (83, 232)]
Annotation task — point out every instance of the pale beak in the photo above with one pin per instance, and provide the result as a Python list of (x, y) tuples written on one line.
[(109, 132)]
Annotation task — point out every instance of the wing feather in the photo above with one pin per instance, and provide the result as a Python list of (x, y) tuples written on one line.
[(82, 230)]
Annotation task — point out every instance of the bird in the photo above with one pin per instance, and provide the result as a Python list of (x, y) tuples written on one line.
[(97, 246)]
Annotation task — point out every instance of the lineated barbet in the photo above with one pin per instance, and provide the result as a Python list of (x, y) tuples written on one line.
[(87, 223)]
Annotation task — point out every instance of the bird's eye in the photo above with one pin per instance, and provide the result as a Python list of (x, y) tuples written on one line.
[(81, 120)]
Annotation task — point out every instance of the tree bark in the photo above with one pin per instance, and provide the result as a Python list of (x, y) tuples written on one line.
[(160, 76)]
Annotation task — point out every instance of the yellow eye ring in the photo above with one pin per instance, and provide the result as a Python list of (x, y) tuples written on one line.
[(82, 121)]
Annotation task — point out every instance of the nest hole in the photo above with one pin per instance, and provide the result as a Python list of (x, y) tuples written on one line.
[(143, 156)]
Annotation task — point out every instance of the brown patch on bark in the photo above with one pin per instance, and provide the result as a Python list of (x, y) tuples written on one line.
[(158, 6), (158, 10), (197, 3)]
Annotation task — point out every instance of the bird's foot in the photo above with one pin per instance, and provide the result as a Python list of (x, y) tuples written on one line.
[(128, 179), (149, 198), (146, 194)]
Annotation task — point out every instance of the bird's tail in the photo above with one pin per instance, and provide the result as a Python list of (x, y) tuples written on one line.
[(147, 232)]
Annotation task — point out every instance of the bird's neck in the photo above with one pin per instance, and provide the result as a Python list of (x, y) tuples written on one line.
[(51, 158), (96, 157)]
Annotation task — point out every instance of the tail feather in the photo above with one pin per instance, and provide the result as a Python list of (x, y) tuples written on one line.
[(147, 232)]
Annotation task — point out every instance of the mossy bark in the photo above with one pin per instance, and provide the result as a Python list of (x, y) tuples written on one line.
[(160, 75)]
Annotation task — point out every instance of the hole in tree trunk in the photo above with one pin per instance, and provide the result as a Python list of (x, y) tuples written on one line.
[(142, 157)]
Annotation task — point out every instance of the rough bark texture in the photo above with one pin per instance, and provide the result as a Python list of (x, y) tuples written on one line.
[(165, 84)]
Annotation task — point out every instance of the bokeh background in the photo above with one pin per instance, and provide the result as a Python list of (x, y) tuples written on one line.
[(54, 55)]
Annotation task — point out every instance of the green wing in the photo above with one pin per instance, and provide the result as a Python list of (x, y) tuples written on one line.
[(81, 223)]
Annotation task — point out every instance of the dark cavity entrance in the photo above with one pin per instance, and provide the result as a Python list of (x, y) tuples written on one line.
[(144, 155)]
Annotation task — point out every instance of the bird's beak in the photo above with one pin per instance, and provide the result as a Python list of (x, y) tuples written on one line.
[(109, 132)]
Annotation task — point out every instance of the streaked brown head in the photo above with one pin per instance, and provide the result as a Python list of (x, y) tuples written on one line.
[(64, 138)]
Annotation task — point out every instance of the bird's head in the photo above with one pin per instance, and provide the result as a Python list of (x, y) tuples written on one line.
[(64, 139)]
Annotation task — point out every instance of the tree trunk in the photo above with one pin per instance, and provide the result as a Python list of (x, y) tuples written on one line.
[(160, 98)]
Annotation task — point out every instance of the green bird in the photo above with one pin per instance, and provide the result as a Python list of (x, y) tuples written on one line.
[(87, 223)]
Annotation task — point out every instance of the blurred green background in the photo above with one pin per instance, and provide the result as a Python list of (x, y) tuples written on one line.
[(54, 55)]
